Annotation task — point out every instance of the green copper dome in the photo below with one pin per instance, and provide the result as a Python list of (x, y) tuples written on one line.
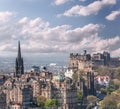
[(60, 78)]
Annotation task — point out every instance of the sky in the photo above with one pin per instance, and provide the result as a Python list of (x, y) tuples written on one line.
[(56, 28)]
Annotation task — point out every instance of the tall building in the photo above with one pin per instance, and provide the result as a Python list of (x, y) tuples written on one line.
[(19, 63), (106, 58)]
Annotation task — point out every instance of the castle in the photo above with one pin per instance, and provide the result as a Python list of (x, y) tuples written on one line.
[(85, 65), (89, 63)]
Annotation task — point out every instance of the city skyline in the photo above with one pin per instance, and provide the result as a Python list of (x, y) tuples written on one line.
[(58, 27)]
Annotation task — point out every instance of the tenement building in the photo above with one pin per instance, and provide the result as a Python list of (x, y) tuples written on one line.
[(21, 93), (63, 90)]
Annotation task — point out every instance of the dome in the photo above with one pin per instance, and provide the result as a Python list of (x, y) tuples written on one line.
[(60, 78), (68, 80)]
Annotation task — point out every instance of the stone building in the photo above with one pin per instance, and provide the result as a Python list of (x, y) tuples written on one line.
[(83, 66), (101, 59), (80, 62), (3, 103), (17, 92), (63, 90), (86, 84), (22, 91), (35, 84), (66, 92), (87, 62)]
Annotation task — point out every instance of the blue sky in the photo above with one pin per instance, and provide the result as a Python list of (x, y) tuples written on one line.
[(58, 27)]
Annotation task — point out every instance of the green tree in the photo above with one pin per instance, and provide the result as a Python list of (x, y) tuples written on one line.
[(41, 101), (92, 99), (75, 77), (116, 82), (111, 88), (111, 101), (103, 91), (117, 73), (80, 95), (51, 103), (116, 97), (108, 103)]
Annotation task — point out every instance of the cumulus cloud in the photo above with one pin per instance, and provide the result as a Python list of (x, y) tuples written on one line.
[(113, 15), (56, 39), (60, 2), (116, 52), (5, 16), (37, 36), (92, 8), (99, 44)]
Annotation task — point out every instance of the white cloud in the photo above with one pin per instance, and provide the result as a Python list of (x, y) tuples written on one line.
[(57, 39), (92, 8), (113, 15), (37, 36), (99, 44), (60, 2), (5, 16), (116, 52)]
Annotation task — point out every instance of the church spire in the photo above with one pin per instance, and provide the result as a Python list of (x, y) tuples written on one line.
[(19, 63), (19, 50)]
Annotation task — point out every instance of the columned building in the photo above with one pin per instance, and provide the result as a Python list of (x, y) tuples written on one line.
[(19, 63)]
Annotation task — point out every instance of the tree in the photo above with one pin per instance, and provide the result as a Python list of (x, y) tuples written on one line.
[(51, 103), (116, 97), (41, 101), (75, 77), (116, 83), (108, 103), (117, 73), (103, 91), (111, 88), (80, 95), (91, 101), (111, 101)]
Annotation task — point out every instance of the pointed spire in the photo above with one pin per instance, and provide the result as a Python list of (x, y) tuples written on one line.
[(19, 50), (19, 63)]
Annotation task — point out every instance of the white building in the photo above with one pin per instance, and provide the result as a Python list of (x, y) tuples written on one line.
[(69, 73), (102, 80)]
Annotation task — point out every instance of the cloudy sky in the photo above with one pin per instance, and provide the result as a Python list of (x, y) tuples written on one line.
[(58, 27)]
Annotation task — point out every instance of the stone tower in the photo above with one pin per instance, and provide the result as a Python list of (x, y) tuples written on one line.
[(19, 63)]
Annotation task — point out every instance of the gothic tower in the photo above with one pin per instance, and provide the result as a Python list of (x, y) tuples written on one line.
[(19, 63)]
